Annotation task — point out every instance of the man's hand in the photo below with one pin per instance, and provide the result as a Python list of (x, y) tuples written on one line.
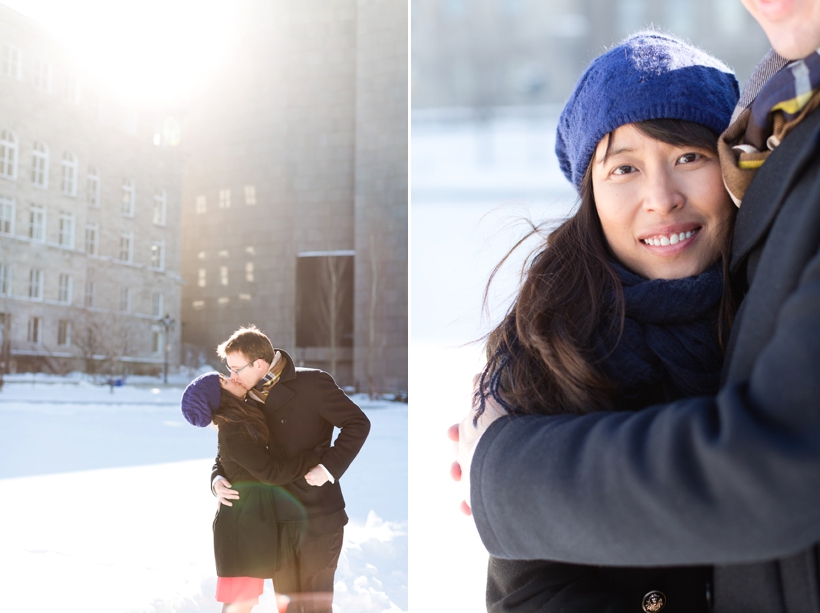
[(465, 435), (224, 493), (316, 476)]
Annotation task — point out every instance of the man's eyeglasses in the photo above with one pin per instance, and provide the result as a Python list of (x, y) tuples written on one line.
[(239, 370)]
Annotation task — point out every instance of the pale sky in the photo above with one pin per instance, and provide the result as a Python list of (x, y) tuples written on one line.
[(152, 50)]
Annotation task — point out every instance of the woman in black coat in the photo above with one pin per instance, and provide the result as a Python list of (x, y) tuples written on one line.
[(625, 305), (248, 546)]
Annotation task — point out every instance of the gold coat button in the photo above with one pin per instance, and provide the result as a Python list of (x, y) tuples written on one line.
[(653, 602)]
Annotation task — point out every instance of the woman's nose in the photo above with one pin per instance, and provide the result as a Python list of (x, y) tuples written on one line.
[(663, 194)]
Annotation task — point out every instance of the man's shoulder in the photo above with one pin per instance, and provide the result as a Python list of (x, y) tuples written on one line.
[(312, 375), (312, 378)]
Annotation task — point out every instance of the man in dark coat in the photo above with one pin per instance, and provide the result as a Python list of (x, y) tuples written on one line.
[(302, 406), (731, 480)]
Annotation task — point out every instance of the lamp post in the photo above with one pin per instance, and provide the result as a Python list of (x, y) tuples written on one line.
[(167, 323)]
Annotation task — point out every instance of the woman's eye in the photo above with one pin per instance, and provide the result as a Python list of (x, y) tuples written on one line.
[(688, 158), (624, 170)]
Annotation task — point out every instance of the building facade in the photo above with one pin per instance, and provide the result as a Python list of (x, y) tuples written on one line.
[(89, 218), (294, 214)]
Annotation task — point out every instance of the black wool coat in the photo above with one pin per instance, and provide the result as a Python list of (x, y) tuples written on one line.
[(246, 535), (543, 586), (732, 479), (302, 410)]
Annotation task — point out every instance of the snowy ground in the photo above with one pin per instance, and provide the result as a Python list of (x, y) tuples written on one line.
[(471, 182), (107, 507)]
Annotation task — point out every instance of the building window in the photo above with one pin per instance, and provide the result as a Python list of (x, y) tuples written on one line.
[(201, 205), (6, 215), (5, 279), (93, 185), (223, 300), (92, 232), (156, 341), (12, 62), (223, 253), (129, 197), (35, 284), (69, 185), (158, 254), (42, 76), (324, 299), (224, 198), (125, 300), (244, 296), (67, 230), (223, 275), (73, 90), (127, 247), (250, 250), (37, 223), (63, 333), (157, 301), (8, 154), (198, 305), (35, 325), (160, 204), (88, 298), (200, 255), (39, 165), (250, 195), (201, 280), (65, 288), (249, 272)]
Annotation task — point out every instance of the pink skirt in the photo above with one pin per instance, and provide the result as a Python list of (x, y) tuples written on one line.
[(235, 589)]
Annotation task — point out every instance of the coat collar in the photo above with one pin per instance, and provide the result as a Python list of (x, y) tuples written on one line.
[(281, 393), (770, 185)]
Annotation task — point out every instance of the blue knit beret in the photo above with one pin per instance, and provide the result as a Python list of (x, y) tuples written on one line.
[(201, 398), (650, 75)]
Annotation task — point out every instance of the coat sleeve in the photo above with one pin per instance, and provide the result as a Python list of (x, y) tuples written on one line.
[(727, 479), (254, 457), (337, 408), (521, 586)]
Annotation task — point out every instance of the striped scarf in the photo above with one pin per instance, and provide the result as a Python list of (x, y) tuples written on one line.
[(266, 383), (781, 104)]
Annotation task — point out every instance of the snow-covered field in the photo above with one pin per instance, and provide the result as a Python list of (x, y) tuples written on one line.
[(471, 183), (107, 508)]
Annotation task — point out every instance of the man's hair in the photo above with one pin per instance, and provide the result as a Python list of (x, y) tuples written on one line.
[(251, 342)]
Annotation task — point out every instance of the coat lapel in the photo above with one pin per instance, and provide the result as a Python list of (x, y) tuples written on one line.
[(278, 395), (769, 187)]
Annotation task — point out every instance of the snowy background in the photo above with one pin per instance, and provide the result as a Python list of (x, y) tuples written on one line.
[(107, 507), (473, 180)]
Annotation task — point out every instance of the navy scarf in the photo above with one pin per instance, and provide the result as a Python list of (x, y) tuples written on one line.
[(670, 329)]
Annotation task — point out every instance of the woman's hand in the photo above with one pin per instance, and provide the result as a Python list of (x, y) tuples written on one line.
[(465, 435), (316, 476), (224, 493)]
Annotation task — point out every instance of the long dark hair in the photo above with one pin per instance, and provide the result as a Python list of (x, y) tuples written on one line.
[(543, 357), (233, 410)]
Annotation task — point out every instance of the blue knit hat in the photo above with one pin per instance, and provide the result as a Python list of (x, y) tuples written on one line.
[(650, 75), (201, 398)]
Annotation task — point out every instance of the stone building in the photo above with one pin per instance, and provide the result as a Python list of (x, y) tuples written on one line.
[(89, 217), (490, 53), (294, 212)]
